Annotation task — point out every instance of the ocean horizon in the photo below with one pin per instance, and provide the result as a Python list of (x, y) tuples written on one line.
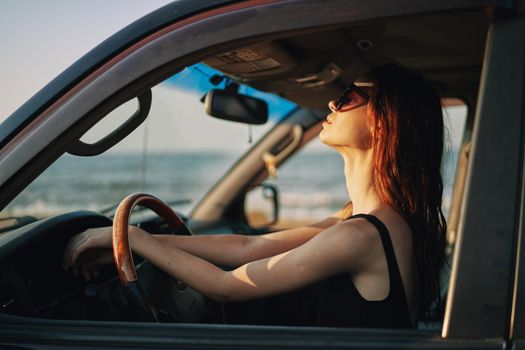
[(311, 184)]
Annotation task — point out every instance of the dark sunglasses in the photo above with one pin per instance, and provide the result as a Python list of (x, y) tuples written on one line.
[(353, 96)]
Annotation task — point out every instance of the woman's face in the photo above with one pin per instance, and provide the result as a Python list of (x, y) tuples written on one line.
[(348, 128)]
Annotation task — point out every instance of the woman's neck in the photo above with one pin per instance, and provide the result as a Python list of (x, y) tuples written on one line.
[(358, 168)]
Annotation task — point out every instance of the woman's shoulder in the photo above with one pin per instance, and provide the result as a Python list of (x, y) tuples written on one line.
[(355, 228), (356, 239), (362, 234), (394, 223), (399, 231)]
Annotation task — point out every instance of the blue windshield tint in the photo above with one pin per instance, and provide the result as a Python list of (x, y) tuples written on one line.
[(196, 78)]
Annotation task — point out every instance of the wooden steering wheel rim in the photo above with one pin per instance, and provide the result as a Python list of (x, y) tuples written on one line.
[(121, 249)]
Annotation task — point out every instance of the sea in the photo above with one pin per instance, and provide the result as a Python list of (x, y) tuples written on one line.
[(311, 185)]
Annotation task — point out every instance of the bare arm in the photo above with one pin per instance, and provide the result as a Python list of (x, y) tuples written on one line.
[(91, 248), (235, 250), (336, 249)]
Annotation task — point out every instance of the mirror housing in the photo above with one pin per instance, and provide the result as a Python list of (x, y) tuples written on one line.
[(230, 105), (261, 205)]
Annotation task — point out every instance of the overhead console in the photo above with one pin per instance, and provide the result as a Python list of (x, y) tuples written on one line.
[(255, 61), (272, 67)]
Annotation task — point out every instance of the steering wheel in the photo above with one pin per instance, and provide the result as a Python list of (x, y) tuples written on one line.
[(127, 273)]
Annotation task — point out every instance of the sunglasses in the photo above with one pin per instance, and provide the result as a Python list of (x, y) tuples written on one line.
[(353, 96)]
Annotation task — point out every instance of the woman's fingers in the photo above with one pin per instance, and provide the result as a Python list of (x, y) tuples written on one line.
[(91, 238), (86, 251), (67, 250), (67, 254), (76, 252), (73, 251), (87, 264), (76, 245)]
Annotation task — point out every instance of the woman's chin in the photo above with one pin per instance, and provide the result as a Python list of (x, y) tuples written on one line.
[(327, 142), (324, 138)]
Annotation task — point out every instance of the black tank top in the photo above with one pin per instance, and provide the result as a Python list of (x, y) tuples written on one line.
[(336, 302)]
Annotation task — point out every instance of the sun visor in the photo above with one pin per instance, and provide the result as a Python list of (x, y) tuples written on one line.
[(254, 61)]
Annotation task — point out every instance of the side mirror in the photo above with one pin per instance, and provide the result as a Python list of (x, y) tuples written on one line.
[(261, 205), (229, 105)]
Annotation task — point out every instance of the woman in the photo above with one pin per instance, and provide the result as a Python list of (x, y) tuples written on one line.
[(376, 262)]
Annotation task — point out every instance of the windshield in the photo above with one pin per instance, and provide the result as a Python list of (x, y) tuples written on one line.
[(177, 154)]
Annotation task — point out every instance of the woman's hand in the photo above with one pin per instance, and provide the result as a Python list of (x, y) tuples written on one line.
[(88, 250)]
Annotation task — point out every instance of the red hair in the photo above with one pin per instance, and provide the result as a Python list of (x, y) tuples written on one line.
[(407, 140)]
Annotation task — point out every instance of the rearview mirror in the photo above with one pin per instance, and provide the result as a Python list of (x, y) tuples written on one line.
[(232, 106)]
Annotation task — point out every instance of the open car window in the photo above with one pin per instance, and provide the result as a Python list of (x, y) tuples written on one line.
[(177, 154)]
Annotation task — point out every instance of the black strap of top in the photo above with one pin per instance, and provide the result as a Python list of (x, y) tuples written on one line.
[(396, 283)]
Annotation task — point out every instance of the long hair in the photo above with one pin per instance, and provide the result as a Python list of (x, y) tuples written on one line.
[(407, 141)]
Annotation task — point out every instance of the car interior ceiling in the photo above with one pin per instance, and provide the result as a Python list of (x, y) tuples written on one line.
[(310, 69)]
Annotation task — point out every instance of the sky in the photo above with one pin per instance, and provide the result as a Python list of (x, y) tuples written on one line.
[(40, 39)]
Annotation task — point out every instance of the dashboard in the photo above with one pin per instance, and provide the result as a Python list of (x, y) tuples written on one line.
[(32, 281), (34, 284)]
